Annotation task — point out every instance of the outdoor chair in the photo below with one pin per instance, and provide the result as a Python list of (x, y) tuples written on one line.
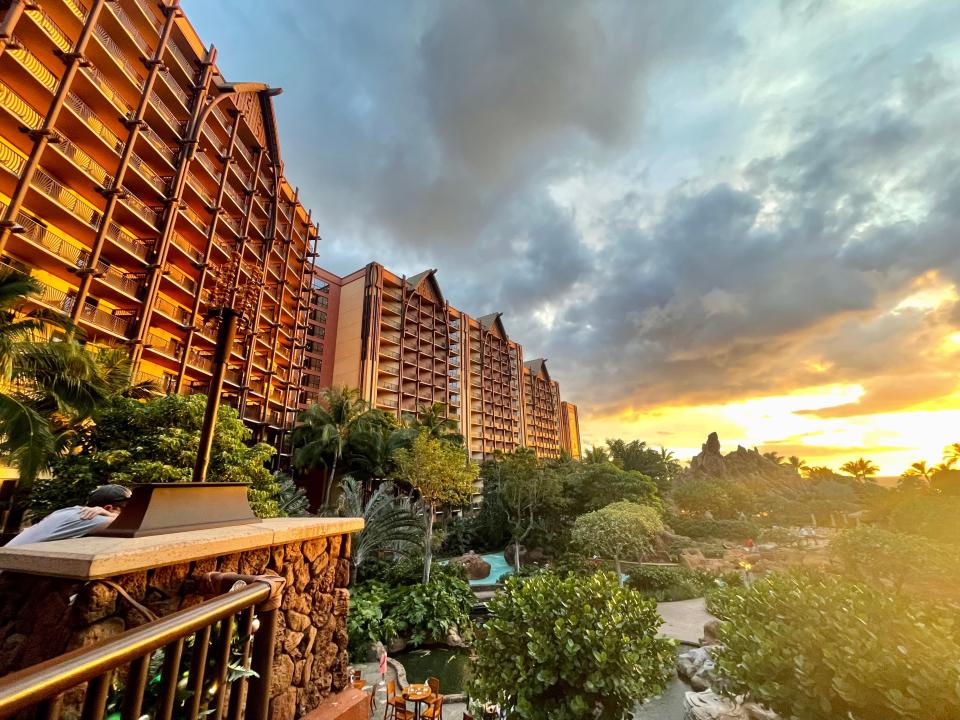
[(396, 706), (434, 684), (435, 711)]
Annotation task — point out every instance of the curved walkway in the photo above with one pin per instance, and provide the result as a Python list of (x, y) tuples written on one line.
[(683, 620)]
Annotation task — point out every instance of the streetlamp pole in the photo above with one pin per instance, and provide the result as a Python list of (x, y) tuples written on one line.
[(226, 334)]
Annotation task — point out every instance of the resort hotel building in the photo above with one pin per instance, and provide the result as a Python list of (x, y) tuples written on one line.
[(140, 188), (402, 345)]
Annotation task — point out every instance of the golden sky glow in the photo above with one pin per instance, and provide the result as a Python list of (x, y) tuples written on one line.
[(799, 422), (892, 440)]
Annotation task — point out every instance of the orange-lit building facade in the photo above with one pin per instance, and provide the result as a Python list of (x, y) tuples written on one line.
[(131, 174), (570, 430), (402, 345), (541, 411)]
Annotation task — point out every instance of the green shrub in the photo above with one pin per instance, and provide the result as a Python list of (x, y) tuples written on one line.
[(368, 621), (667, 584), (719, 529), (571, 647), (817, 647), (933, 516), (424, 613), (459, 536), (873, 555)]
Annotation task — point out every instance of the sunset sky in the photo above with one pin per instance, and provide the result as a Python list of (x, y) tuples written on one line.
[(733, 216)]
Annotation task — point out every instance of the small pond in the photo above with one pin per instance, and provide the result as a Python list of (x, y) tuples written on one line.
[(498, 567), (451, 665)]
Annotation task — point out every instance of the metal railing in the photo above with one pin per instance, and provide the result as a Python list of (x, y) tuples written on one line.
[(197, 648), (77, 8), (53, 31), (13, 102), (117, 54), (32, 64)]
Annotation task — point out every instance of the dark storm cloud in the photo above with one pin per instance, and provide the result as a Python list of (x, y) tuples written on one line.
[(436, 134)]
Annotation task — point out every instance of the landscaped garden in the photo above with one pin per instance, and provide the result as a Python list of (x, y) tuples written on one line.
[(856, 619)]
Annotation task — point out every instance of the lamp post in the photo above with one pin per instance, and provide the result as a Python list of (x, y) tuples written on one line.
[(231, 304)]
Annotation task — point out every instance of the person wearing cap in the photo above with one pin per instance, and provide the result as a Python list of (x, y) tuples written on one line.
[(103, 506)]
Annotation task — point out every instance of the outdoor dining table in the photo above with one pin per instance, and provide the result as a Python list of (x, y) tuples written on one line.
[(417, 693)]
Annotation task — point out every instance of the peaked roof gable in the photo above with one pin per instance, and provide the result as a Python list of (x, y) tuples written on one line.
[(538, 367), (426, 284), (493, 324)]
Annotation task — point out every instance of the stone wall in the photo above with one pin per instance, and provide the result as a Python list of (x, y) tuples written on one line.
[(42, 617)]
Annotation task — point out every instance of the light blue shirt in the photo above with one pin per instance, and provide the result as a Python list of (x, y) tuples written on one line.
[(59, 525)]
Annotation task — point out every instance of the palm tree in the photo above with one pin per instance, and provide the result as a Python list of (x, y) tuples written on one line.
[(390, 524), (323, 430), (919, 471), (774, 457), (860, 469), (436, 420), (797, 463), (819, 473), (50, 385), (951, 454), (596, 455)]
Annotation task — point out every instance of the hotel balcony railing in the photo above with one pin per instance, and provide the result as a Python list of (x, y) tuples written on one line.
[(53, 189), (187, 66), (179, 314), (107, 88), (168, 346), (393, 387), (117, 54), (387, 402), (32, 64), (63, 302), (94, 122), (179, 277), (138, 206), (127, 23), (54, 31), (218, 113), (193, 216), (208, 164), (182, 243), (387, 370), (19, 107), (235, 224), (242, 149), (77, 8), (199, 360), (176, 89), (161, 147), (390, 353), (167, 113), (201, 191)]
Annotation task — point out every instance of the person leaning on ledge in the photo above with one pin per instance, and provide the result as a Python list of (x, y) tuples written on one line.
[(103, 506)]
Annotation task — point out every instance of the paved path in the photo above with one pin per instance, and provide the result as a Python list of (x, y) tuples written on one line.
[(683, 620)]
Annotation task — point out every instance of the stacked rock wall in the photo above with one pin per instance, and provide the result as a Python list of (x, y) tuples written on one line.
[(42, 617)]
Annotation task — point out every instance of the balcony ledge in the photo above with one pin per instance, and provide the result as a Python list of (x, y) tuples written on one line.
[(90, 558)]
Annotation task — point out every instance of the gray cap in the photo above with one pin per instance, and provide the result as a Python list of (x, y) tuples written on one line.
[(108, 495)]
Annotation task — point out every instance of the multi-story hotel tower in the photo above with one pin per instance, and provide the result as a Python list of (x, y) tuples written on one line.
[(134, 178), (398, 341)]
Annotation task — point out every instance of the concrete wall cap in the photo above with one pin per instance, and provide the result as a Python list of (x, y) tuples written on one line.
[(89, 558)]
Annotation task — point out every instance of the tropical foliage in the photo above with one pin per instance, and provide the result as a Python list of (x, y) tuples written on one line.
[(421, 613), (890, 559), (570, 647), (323, 430), (816, 647), (620, 531), (440, 473), (50, 384), (131, 441), (392, 530)]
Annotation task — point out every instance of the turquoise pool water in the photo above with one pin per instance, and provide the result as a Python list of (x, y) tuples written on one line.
[(498, 567)]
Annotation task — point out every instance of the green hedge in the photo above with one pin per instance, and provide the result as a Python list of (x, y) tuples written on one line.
[(722, 529), (667, 584), (818, 647)]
